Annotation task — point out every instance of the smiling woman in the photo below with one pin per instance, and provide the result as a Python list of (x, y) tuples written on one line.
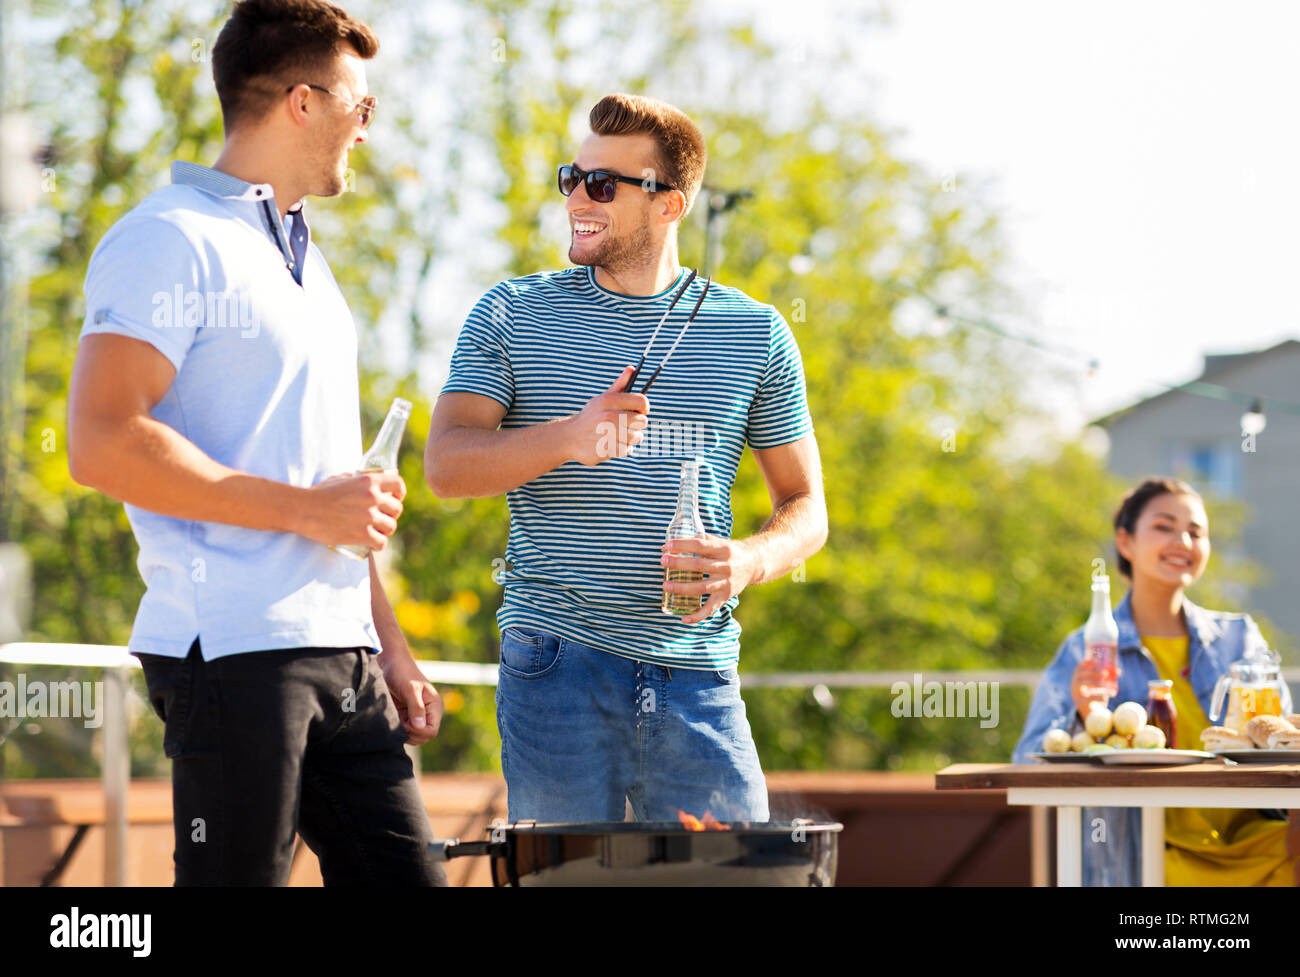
[(1162, 541), (1170, 539)]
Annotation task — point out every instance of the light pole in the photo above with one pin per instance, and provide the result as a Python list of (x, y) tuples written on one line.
[(718, 202)]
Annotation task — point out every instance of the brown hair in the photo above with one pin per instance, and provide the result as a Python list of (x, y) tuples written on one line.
[(681, 153), (279, 42), (1130, 510)]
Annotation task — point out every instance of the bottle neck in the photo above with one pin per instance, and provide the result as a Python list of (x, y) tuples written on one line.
[(383, 453), (688, 500), (1101, 627), (1101, 602)]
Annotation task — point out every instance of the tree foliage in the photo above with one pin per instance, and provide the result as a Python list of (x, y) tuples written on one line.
[(955, 543)]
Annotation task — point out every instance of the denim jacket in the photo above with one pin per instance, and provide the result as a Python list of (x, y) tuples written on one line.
[(1216, 640)]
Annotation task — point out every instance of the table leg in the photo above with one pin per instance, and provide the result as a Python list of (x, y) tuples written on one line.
[(115, 773), (1153, 846), (1069, 846), (1040, 865)]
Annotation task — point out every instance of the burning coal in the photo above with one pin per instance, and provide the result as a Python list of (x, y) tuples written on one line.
[(707, 823)]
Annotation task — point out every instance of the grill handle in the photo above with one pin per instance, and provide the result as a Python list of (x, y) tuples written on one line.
[(449, 848)]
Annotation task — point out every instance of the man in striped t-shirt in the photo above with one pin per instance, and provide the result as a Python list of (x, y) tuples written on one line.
[(603, 698)]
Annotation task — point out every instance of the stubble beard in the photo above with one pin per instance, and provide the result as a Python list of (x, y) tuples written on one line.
[(330, 164), (616, 255), (334, 187), (336, 179)]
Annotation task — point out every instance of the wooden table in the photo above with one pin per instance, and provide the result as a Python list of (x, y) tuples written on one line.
[(1069, 787)]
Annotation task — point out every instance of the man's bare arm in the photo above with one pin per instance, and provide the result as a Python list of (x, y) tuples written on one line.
[(418, 704), (798, 526), (468, 457), (796, 530), (117, 447)]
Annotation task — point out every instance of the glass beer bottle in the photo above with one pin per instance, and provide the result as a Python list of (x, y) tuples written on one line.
[(382, 456), (1097, 676), (686, 524)]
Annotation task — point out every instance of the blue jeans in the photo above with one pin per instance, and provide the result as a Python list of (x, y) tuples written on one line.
[(581, 730)]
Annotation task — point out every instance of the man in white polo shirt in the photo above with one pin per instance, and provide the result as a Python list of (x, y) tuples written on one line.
[(215, 393)]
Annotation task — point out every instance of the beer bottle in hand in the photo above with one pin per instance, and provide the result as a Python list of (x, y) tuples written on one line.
[(381, 457), (686, 524)]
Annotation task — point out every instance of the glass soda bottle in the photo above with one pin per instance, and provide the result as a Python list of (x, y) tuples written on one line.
[(1161, 712), (381, 457), (686, 524), (1097, 676)]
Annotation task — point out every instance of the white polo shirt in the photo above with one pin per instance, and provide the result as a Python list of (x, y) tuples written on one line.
[(265, 350)]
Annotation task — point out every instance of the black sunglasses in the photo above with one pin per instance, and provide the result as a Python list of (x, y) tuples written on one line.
[(601, 184)]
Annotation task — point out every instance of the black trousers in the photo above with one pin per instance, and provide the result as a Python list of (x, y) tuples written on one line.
[(268, 744)]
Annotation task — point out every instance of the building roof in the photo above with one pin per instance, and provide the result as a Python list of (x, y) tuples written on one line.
[(1216, 365)]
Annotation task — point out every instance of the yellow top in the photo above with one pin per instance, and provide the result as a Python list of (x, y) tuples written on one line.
[(1213, 846)]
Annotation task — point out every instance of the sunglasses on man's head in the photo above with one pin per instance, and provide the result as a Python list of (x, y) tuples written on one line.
[(601, 184)]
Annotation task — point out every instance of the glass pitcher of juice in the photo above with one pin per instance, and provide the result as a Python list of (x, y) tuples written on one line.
[(1253, 687)]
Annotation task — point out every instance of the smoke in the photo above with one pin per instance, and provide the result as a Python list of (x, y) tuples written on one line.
[(787, 806)]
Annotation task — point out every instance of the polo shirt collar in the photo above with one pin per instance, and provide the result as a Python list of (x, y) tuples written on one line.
[(219, 184), (293, 246)]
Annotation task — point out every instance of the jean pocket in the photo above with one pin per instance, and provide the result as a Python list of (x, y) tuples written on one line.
[(530, 654), (727, 676)]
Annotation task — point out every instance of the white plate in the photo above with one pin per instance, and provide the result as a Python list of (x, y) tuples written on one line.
[(1260, 756), (1155, 758), (1064, 757)]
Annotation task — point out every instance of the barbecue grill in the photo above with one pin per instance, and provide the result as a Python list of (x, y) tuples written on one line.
[(788, 853)]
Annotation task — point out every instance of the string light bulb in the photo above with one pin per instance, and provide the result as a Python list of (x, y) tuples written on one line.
[(1253, 421)]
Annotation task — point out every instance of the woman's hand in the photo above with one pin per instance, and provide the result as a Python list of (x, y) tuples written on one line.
[(1086, 687)]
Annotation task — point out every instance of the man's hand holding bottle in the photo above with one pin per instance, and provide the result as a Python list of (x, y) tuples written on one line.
[(359, 509)]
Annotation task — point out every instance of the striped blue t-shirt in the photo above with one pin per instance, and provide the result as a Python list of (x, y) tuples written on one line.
[(583, 552)]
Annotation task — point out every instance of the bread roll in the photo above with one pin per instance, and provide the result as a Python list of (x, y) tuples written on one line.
[(1284, 740), (1293, 718), (1261, 728), (1223, 738)]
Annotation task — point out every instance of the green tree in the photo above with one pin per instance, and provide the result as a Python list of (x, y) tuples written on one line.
[(960, 537)]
